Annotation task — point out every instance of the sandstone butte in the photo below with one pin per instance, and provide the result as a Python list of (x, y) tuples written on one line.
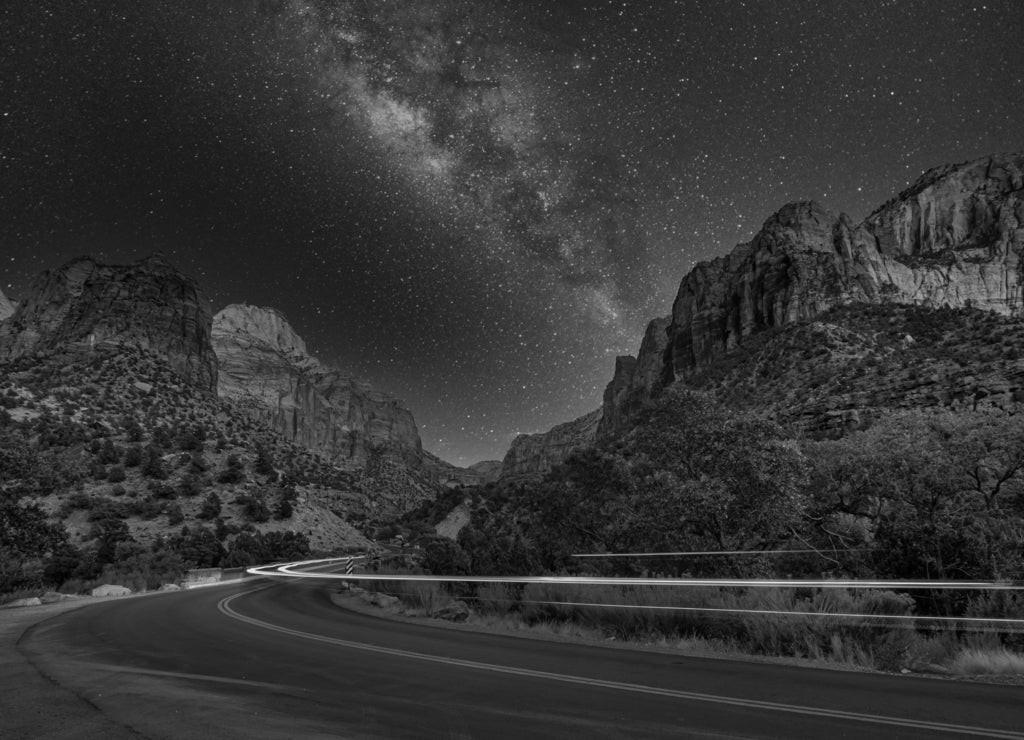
[(147, 304), (953, 238)]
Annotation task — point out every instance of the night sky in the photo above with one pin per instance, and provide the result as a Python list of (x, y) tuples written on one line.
[(474, 205)]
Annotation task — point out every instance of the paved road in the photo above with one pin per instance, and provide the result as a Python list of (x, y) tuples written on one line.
[(283, 661)]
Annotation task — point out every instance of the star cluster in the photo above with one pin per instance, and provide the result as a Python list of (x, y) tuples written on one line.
[(475, 205)]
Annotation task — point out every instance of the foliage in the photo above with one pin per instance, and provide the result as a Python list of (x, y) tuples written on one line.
[(26, 535)]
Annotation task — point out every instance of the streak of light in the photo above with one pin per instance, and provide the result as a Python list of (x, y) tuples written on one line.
[(290, 570), (695, 553)]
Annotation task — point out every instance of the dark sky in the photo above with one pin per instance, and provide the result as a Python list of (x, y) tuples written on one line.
[(474, 205)]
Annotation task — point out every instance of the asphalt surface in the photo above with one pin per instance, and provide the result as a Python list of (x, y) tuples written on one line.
[(281, 660)]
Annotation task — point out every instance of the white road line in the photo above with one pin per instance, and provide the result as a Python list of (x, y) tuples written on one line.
[(225, 607)]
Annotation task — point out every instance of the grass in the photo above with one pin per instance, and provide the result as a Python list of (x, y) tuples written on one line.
[(992, 661)]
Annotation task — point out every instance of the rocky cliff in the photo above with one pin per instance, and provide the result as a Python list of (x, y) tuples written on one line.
[(636, 380), (6, 306), (264, 367), (533, 455), (147, 305), (952, 239), (446, 474)]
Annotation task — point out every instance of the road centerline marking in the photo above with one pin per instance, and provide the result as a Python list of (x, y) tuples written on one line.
[(224, 606)]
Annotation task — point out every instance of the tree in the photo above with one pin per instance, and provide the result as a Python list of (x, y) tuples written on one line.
[(942, 491), (199, 548), (254, 507), (153, 467), (211, 507), (233, 472), (265, 462), (26, 535)]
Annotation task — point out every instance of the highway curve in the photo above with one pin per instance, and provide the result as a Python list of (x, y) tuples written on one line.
[(280, 660)]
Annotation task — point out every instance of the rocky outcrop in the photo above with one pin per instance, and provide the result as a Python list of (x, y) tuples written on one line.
[(147, 305), (264, 368), (533, 455), (954, 238), (635, 381), (6, 306)]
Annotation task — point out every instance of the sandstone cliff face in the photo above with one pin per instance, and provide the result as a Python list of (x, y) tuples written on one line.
[(6, 306), (635, 380), (954, 238), (147, 304), (445, 474), (265, 368), (533, 455)]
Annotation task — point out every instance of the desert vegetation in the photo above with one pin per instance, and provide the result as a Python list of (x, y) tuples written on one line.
[(932, 494)]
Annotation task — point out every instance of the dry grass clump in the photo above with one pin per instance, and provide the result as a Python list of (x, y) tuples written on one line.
[(998, 661)]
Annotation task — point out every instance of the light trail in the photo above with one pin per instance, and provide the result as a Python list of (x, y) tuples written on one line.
[(697, 553), (291, 570)]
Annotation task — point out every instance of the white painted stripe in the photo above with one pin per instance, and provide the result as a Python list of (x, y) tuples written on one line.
[(225, 607)]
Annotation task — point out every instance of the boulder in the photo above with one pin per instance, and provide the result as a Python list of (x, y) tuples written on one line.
[(453, 611), (110, 590), (170, 587)]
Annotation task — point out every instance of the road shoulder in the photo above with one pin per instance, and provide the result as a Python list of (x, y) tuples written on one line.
[(33, 705)]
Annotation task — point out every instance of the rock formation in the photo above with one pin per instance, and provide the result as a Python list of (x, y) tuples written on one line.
[(446, 474), (6, 306), (265, 368), (533, 455), (954, 238), (636, 379), (147, 305)]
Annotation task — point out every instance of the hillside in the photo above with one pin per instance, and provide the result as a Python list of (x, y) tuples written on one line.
[(119, 456), (853, 363)]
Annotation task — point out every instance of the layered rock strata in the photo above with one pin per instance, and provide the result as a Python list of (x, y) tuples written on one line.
[(954, 238), (148, 305), (265, 368), (445, 474), (533, 455)]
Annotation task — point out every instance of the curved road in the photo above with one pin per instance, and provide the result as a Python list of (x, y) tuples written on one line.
[(280, 660)]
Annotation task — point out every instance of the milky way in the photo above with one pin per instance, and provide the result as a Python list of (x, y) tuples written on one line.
[(474, 205)]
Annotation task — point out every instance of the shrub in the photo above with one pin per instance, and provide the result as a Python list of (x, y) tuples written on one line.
[(211, 507)]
